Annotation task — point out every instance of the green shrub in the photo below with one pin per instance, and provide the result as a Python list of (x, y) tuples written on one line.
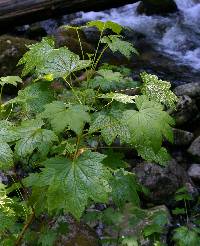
[(62, 139)]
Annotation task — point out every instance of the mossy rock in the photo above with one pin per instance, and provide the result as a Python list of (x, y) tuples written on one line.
[(79, 234), (11, 50)]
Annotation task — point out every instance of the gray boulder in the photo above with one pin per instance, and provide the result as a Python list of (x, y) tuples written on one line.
[(182, 138), (191, 90), (163, 182), (36, 31), (161, 7), (3, 178), (186, 110), (194, 148), (194, 172), (77, 233)]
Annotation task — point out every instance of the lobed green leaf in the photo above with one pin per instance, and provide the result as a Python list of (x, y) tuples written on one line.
[(74, 117), (11, 80), (48, 62), (148, 125), (6, 156), (101, 26), (124, 188), (70, 184), (116, 44), (33, 137), (110, 126)]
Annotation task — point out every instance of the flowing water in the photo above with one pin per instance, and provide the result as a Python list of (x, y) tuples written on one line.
[(176, 35)]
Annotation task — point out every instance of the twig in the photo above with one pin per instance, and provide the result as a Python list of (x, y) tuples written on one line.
[(26, 226)]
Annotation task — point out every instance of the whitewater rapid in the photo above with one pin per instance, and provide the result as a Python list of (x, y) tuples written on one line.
[(176, 35)]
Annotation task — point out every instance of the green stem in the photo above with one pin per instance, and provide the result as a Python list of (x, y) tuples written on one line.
[(186, 212), (10, 112), (77, 146), (88, 81), (72, 90), (107, 104), (20, 196), (82, 51), (28, 220), (1, 95), (26, 226), (98, 47), (80, 43), (76, 78), (118, 236), (98, 59)]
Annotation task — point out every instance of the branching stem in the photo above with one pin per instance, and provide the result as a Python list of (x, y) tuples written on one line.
[(102, 52), (72, 90), (1, 95), (77, 146), (80, 43), (98, 46), (26, 226)]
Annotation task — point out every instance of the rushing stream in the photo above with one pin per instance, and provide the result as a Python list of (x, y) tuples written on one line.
[(174, 36), (177, 35)]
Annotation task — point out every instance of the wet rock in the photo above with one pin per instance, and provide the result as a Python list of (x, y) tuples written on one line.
[(157, 63), (3, 178), (194, 172), (158, 209), (162, 182), (194, 148), (191, 90), (36, 31), (128, 230), (78, 234), (161, 7), (92, 34), (11, 50), (186, 110), (69, 38), (149, 60), (180, 156), (182, 138)]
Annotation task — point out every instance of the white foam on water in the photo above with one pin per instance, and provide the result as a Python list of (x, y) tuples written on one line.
[(184, 4), (177, 35), (126, 16), (193, 57)]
